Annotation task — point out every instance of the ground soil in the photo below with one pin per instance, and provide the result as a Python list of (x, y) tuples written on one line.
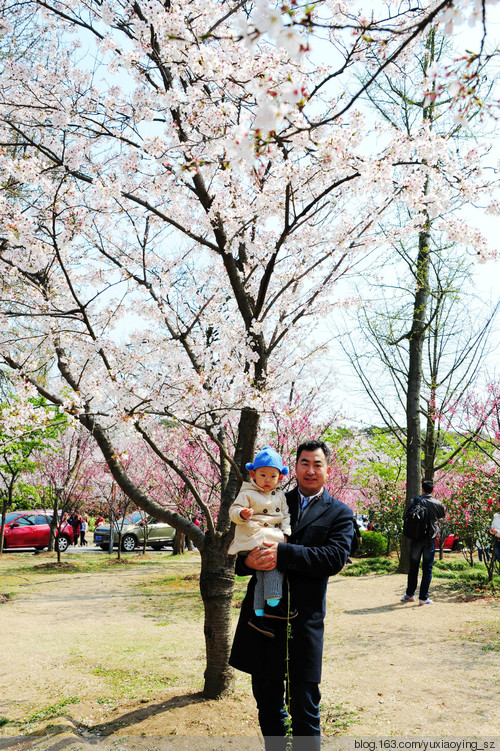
[(390, 669)]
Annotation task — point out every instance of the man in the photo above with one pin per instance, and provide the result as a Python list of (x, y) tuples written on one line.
[(424, 548), (322, 530), (495, 530)]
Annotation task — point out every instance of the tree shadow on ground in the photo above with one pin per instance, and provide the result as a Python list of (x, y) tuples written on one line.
[(376, 609), (442, 592), (55, 737), (142, 713)]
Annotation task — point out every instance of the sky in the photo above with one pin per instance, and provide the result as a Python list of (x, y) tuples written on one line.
[(347, 395)]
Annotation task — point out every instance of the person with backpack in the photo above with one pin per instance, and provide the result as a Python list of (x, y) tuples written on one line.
[(420, 526)]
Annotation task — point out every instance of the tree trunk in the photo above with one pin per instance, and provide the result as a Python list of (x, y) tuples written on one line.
[(417, 336), (413, 397), (5, 503), (217, 569), (243, 453), (430, 442), (216, 587), (54, 525), (179, 543)]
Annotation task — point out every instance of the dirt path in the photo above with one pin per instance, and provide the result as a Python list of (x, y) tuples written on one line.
[(81, 650)]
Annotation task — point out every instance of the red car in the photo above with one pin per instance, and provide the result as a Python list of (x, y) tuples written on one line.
[(450, 543), (31, 529)]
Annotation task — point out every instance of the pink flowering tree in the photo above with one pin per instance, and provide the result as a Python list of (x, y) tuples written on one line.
[(469, 479), (380, 475), (290, 423), (67, 477), (182, 186), (344, 482), (197, 455), (472, 507)]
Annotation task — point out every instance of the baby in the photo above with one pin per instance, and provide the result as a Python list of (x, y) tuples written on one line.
[(260, 513)]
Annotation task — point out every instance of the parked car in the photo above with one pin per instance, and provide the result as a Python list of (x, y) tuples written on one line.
[(31, 529), (451, 543), (134, 528)]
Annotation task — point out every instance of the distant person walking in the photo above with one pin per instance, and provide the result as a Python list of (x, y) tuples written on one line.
[(84, 525), (495, 530), (75, 521), (482, 552), (420, 526)]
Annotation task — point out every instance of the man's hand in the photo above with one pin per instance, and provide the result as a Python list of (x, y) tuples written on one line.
[(263, 559)]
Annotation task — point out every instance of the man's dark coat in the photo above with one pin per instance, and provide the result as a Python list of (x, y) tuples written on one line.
[(317, 548)]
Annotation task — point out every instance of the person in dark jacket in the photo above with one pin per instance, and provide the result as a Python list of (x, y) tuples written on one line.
[(425, 549), (75, 521), (286, 670)]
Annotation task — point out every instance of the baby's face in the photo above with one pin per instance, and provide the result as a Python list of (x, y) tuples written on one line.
[(266, 477)]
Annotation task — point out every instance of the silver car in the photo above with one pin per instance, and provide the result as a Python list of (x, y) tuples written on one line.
[(134, 527)]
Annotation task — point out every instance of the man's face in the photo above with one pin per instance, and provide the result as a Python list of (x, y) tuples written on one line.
[(311, 472)]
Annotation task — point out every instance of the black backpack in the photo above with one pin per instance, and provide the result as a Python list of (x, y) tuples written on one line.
[(416, 520)]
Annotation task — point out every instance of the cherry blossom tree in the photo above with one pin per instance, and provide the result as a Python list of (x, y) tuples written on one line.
[(182, 186), (67, 476), (28, 429)]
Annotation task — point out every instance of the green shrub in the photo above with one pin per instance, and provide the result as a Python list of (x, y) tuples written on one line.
[(452, 565), (371, 566), (373, 545), (440, 574), (481, 577)]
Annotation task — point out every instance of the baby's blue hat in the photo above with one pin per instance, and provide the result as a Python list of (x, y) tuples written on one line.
[(268, 457)]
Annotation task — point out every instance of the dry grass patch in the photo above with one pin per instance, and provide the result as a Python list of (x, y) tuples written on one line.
[(118, 562), (64, 566)]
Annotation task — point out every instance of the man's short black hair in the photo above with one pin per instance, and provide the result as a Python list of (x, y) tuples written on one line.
[(313, 446), (427, 486)]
